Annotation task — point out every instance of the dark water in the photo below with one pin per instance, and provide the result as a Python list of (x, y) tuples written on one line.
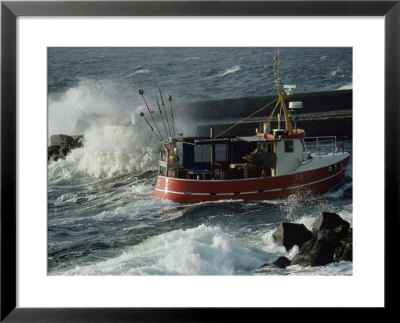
[(102, 218)]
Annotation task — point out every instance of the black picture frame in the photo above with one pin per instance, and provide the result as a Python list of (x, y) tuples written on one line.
[(10, 10)]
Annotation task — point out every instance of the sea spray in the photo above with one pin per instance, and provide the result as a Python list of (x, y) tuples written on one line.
[(96, 102), (118, 149)]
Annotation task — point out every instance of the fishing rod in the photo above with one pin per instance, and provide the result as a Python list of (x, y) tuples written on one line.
[(172, 114), (166, 117), (141, 92), (159, 138), (162, 117)]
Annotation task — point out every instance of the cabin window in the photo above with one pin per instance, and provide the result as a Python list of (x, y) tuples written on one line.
[(220, 152), (288, 146), (179, 146), (202, 153)]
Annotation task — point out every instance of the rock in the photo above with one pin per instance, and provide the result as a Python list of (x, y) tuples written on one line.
[(282, 262), (77, 142), (315, 252), (76, 138), (331, 240), (64, 150), (328, 221), (341, 232), (60, 140), (53, 151), (333, 235), (344, 250), (264, 266), (61, 145), (325, 247), (290, 234)]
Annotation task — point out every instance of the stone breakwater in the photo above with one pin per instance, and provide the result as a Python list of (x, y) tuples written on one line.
[(324, 114), (61, 145), (330, 240)]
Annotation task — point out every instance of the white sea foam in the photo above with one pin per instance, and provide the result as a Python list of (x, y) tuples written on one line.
[(347, 86), (231, 70), (337, 72), (343, 268), (142, 189), (108, 165), (137, 72), (199, 251), (63, 170), (269, 244), (66, 198), (113, 150)]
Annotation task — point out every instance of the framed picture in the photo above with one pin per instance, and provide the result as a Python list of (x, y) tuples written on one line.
[(38, 259)]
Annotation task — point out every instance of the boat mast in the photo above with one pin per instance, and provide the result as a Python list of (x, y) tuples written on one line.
[(282, 97)]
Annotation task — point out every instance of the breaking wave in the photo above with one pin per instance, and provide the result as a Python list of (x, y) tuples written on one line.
[(198, 251), (137, 72), (232, 70), (347, 86)]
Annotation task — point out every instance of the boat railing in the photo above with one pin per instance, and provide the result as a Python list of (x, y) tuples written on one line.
[(323, 145)]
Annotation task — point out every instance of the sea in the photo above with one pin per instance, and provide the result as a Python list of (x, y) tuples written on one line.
[(102, 217)]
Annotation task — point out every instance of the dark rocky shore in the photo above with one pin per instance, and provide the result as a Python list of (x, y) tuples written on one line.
[(61, 145), (331, 240)]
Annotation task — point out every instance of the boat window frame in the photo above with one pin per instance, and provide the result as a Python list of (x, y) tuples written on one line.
[(289, 145)]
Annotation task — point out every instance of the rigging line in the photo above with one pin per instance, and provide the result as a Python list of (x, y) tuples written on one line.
[(272, 114), (151, 128), (165, 112), (249, 116), (151, 115), (162, 117), (280, 115), (172, 114)]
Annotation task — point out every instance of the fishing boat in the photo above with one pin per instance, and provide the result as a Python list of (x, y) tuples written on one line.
[(274, 163)]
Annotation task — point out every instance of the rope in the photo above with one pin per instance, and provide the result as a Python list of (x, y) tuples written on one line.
[(280, 115), (272, 113), (254, 113)]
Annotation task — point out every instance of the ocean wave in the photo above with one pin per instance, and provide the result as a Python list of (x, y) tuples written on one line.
[(348, 86), (198, 251), (231, 70), (337, 72), (137, 72), (99, 165)]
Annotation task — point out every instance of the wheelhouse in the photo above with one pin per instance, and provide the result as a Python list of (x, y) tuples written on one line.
[(234, 157)]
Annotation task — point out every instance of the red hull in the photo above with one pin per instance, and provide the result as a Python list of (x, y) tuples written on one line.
[(270, 188)]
